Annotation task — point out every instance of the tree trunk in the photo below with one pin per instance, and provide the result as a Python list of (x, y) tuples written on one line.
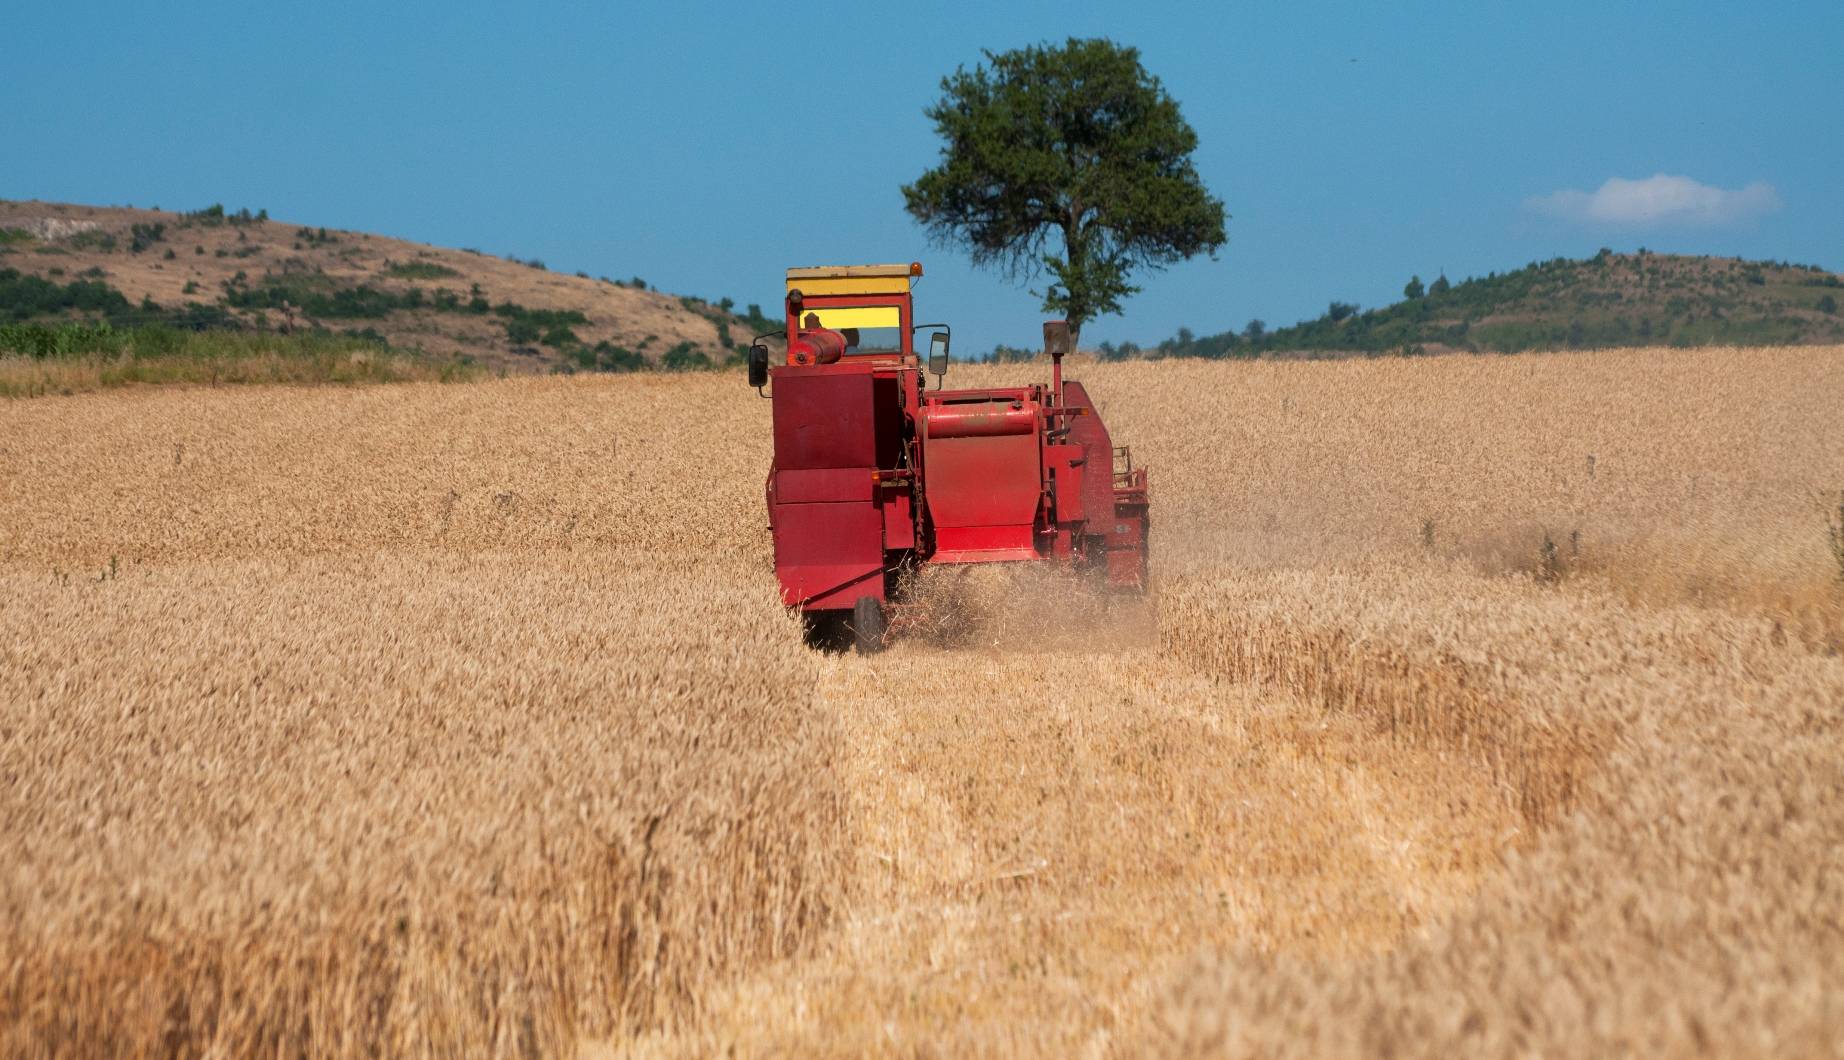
[(1073, 252)]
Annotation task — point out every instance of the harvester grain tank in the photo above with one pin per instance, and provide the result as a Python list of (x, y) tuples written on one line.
[(876, 475)]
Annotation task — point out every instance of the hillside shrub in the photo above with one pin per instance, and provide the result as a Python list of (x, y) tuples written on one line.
[(23, 297), (215, 215), (419, 270), (525, 326), (142, 236), (313, 295), (94, 239), (685, 357), (612, 358), (759, 324)]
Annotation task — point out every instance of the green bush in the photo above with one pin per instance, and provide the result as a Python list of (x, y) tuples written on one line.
[(214, 215), (419, 270), (24, 297), (760, 324), (685, 357), (142, 236), (94, 239), (525, 326), (612, 358), (522, 331), (43, 341), (313, 295)]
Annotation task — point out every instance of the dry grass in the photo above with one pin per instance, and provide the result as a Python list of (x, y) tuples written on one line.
[(450, 720), (245, 360)]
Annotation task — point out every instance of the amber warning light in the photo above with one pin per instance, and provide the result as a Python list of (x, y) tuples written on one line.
[(915, 268)]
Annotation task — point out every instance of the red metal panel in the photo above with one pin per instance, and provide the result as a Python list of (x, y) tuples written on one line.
[(822, 550), (1067, 464), (812, 485), (828, 522), (899, 520), (824, 416), (982, 544), (983, 482), (1088, 432)]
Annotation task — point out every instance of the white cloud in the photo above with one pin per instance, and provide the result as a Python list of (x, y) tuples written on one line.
[(1659, 200)]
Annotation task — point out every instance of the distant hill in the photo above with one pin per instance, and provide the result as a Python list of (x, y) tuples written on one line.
[(237, 270), (1640, 299)]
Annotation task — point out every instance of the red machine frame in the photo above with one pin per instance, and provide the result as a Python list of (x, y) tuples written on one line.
[(874, 474)]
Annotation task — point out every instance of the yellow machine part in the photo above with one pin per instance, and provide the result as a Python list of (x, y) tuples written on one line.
[(853, 279)]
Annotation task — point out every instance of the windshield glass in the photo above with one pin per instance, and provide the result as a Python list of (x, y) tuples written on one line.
[(867, 329)]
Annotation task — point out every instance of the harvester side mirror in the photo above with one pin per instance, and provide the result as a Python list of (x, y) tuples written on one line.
[(938, 353), (758, 366)]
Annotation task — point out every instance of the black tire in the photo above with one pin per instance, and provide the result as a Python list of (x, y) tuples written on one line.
[(868, 625)]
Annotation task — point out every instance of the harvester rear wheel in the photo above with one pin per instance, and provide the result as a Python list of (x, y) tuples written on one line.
[(868, 625)]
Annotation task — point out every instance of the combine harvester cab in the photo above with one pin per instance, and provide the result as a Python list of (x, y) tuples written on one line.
[(875, 475)]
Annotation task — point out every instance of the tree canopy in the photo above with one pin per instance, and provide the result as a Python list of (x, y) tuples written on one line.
[(1077, 141)]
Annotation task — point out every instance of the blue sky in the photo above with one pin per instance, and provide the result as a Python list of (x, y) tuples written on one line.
[(705, 147)]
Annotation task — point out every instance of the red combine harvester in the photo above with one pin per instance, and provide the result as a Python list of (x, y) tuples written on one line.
[(876, 475)]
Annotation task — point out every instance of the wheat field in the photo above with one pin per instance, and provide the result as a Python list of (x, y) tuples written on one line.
[(1481, 706)]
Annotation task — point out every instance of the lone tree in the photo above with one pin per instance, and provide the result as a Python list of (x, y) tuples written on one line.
[(1077, 141)]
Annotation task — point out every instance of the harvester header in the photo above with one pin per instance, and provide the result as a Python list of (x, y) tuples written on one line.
[(876, 475)]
